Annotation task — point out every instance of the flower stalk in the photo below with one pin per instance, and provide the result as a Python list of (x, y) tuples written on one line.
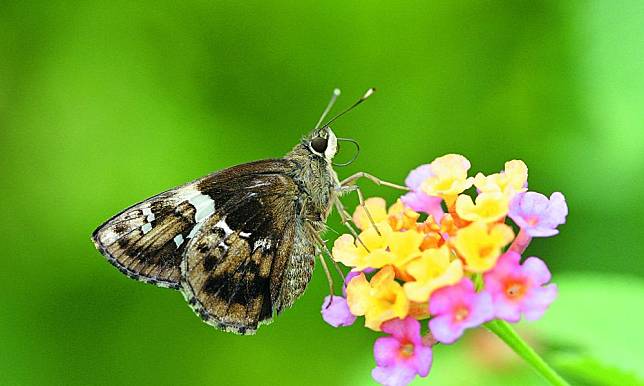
[(506, 333)]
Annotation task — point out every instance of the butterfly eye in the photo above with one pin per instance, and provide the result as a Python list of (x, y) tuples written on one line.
[(319, 144)]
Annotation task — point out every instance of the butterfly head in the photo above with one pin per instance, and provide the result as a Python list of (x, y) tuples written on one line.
[(323, 143)]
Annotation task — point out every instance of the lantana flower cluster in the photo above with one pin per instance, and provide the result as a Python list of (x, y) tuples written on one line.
[(439, 254)]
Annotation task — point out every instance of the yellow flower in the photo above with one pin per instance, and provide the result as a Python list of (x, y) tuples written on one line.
[(509, 182), (352, 253), (431, 272), (405, 246), (401, 217), (481, 245), (379, 300), (489, 207), (377, 208), (449, 177), (401, 248), (346, 251)]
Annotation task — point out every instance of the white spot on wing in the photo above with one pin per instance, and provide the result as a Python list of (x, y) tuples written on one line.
[(146, 228), (148, 213), (178, 239), (244, 234), (204, 207), (262, 243), (257, 185), (222, 225)]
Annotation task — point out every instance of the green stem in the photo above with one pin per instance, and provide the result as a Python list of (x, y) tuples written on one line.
[(507, 334)]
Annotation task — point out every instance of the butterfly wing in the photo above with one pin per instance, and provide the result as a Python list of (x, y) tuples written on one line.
[(148, 240), (234, 269)]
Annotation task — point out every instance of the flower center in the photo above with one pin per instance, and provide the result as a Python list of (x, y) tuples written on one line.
[(485, 251), (532, 221), (461, 313), (407, 350), (514, 290)]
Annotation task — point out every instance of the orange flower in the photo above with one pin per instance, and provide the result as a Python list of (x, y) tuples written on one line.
[(401, 217)]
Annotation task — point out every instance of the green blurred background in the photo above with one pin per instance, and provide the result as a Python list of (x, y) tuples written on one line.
[(103, 104)]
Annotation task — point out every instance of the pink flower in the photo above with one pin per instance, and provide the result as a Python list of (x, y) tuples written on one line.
[(402, 355), (337, 313), (456, 308), (419, 201), (537, 215), (519, 289)]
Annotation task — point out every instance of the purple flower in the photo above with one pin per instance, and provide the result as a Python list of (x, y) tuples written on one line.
[(456, 308), (537, 215), (402, 355), (416, 199), (337, 313), (519, 289)]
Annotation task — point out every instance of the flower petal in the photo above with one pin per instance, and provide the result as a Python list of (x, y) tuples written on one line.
[(417, 176), (538, 301), (557, 209), (420, 201), (359, 295), (337, 313), (403, 329), (481, 310), (537, 270), (393, 375), (385, 350), (444, 329), (345, 252), (423, 359), (506, 310), (377, 208)]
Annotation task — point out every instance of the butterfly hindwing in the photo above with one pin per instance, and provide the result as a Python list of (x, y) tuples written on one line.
[(234, 268)]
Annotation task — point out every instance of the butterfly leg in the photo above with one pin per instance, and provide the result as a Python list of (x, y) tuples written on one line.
[(328, 278), (351, 179), (321, 246), (356, 188), (345, 218)]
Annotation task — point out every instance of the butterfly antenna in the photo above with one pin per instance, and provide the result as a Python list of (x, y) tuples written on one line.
[(336, 94), (363, 98)]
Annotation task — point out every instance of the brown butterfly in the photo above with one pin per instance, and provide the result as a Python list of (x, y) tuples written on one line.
[(240, 244)]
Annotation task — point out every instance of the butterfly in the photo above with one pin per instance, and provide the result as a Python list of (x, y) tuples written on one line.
[(240, 243)]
